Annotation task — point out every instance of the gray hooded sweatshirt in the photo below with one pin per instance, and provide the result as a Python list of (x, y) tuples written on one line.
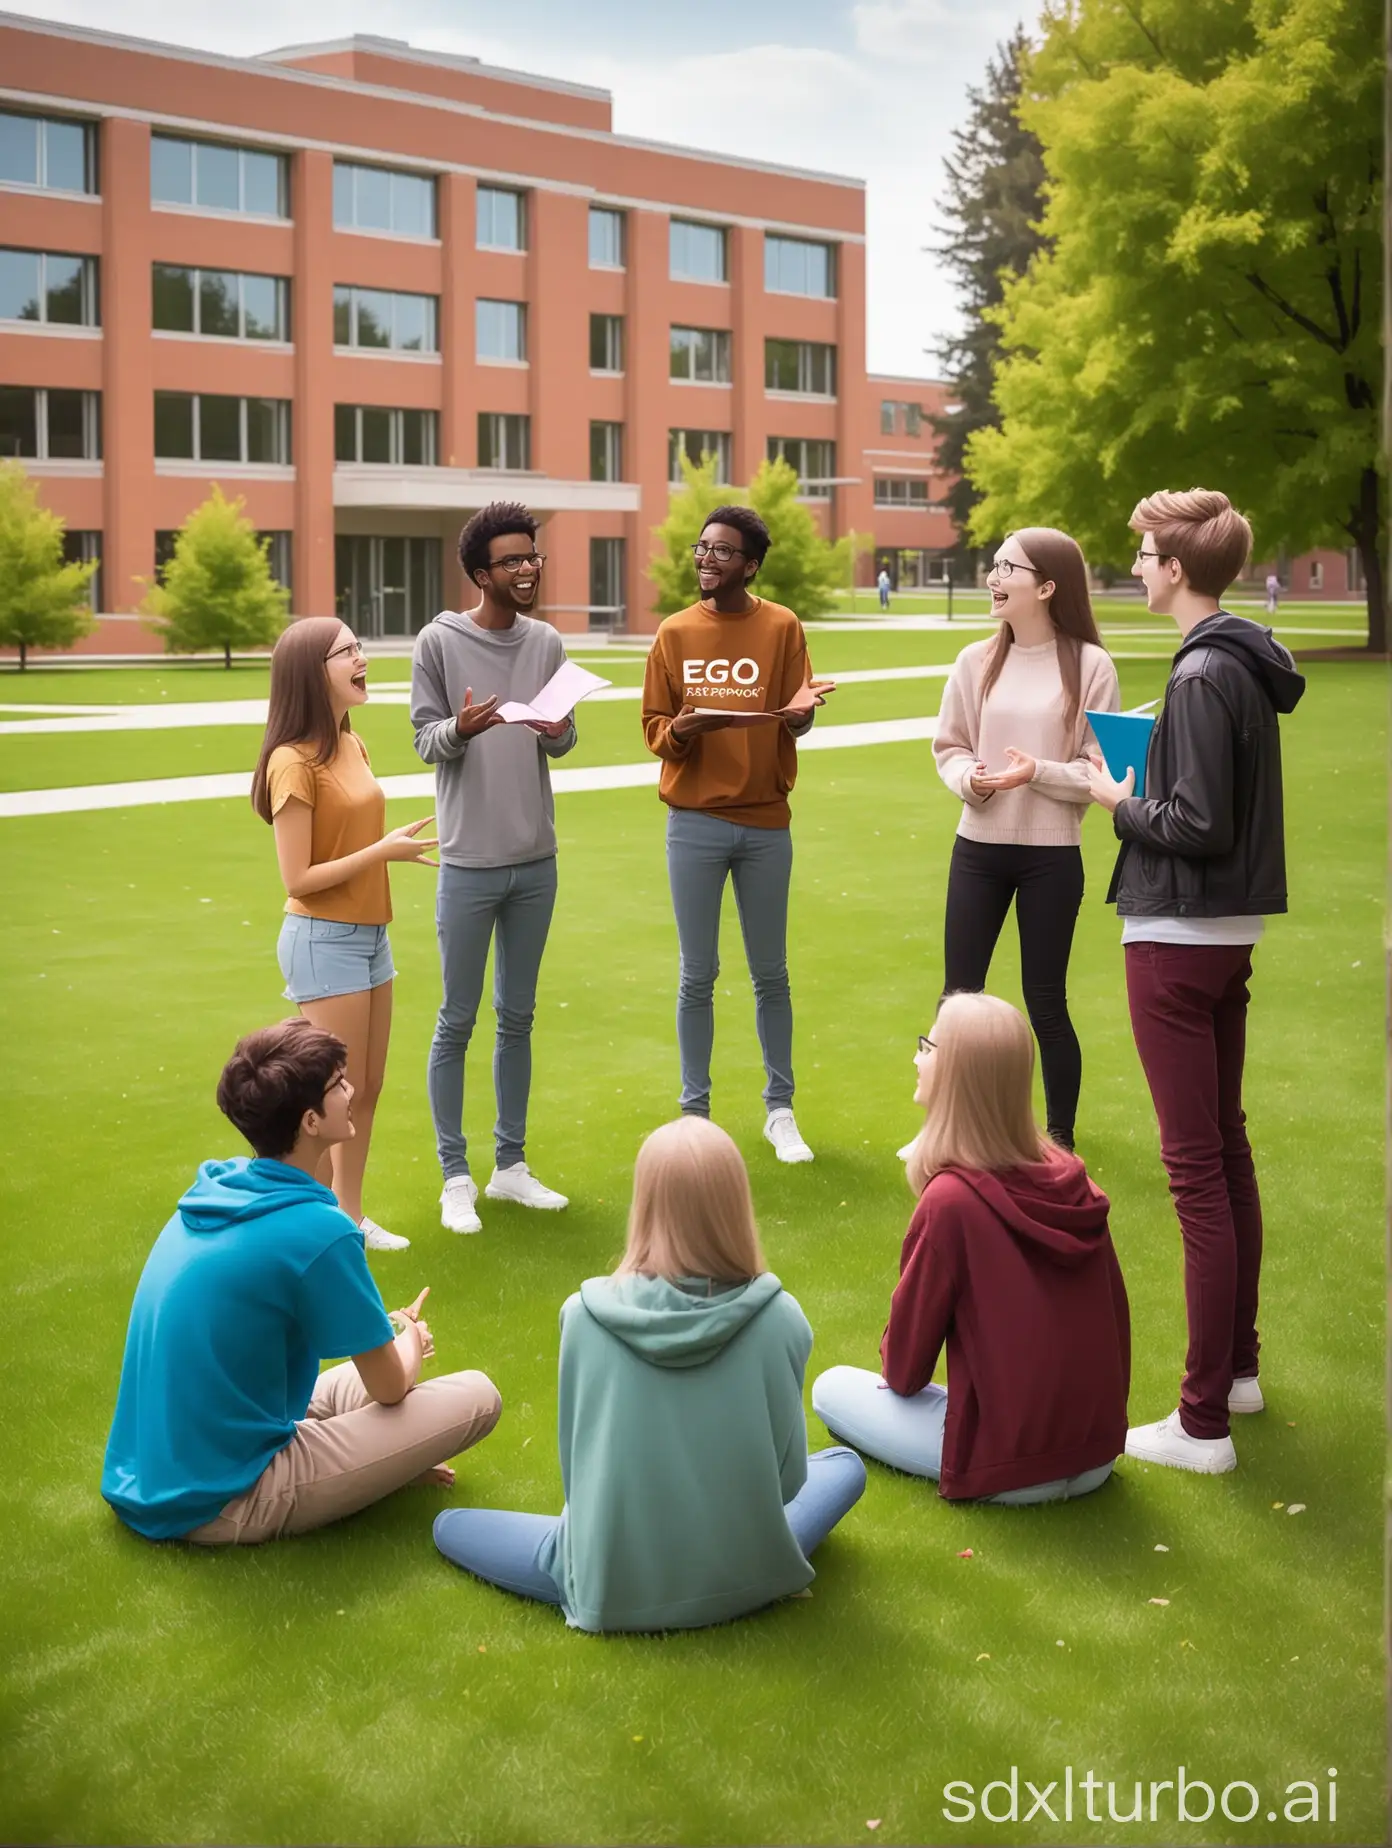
[(493, 800)]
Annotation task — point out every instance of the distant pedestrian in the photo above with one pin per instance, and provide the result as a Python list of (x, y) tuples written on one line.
[(884, 586), (1273, 593)]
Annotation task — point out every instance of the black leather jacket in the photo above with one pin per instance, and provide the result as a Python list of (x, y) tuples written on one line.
[(1207, 840)]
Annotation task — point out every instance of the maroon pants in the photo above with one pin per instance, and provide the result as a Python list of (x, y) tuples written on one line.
[(1189, 1016)]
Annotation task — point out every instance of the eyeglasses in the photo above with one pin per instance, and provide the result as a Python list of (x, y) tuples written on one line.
[(354, 647), (718, 550), (514, 562), (1006, 568), (925, 1044), (1160, 557)]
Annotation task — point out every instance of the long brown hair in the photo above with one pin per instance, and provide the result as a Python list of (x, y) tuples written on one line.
[(300, 709), (1055, 556), (978, 1114), (692, 1215)]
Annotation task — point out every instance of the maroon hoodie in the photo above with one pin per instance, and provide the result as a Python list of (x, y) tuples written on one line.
[(1016, 1273)]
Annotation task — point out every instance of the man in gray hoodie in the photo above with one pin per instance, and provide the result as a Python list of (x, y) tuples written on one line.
[(497, 826)]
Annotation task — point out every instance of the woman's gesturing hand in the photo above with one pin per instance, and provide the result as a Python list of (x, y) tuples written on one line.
[(403, 844), (1020, 768)]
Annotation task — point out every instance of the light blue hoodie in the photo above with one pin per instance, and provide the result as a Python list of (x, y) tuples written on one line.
[(682, 1436), (257, 1278)]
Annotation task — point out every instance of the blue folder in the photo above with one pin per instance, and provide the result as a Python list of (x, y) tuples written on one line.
[(1124, 738)]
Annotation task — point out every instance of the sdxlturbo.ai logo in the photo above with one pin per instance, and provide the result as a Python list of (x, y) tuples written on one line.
[(1192, 1800)]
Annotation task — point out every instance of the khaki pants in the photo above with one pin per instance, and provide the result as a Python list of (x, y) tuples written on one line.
[(349, 1452)]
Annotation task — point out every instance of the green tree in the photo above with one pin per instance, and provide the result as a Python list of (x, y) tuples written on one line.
[(803, 571), (991, 208), (217, 591), (1208, 308), (44, 603)]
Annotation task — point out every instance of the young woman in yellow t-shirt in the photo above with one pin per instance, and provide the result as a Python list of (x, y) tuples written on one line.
[(314, 784)]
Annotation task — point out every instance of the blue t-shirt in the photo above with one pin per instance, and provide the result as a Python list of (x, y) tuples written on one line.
[(257, 1278)]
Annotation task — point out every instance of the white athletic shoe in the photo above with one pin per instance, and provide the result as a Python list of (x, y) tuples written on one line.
[(377, 1238), (1169, 1443), (522, 1187), (782, 1131), (457, 1210), (1246, 1396)]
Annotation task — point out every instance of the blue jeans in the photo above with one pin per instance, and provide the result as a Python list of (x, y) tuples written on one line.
[(702, 851), (908, 1433), (471, 903), (502, 1547), (320, 957)]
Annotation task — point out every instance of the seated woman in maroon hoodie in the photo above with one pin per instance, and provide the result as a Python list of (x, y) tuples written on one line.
[(1009, 1263)]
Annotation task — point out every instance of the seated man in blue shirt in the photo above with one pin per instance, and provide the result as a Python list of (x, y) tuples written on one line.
[(225, 1429)]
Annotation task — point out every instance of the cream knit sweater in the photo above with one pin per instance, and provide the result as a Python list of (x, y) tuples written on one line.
[(1024, 709)]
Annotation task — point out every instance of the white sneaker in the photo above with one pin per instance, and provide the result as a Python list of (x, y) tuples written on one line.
[(522, 1187), (377, 1238), (1246, 1396), (782, 1131), (907, 1150), (1169, 1443), (457, 1210)]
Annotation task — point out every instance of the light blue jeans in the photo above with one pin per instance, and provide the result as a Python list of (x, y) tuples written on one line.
[(702, 852), (857, 1406), (502, 1547), (471, 905)]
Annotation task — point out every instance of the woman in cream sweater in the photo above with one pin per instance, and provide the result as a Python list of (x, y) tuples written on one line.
[(1010, 742)]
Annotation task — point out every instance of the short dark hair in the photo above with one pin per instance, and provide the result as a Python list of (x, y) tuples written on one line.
[(747, 522), (490, 523), (273, 1077)]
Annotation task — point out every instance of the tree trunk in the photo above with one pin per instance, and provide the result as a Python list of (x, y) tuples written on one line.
[(1366, 527), (227, 654), (23, 656)]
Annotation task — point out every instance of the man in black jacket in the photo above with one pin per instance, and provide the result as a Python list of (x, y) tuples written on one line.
[(1202, 862)]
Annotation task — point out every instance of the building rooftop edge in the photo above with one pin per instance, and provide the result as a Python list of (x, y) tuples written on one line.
[(265, 67), (907, 378), (405, 53)]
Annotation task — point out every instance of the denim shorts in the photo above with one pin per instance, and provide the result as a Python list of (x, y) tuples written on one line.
[(319, 957)]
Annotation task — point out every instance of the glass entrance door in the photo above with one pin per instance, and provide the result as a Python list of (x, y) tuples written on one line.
[(385, 586)]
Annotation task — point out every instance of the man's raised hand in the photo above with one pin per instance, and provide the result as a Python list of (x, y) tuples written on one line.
[(470, 719)]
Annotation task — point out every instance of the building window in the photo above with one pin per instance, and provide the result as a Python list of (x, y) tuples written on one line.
[(697, 252), (606, 343), (606, 238), (695, 445), (606, 452), (384, 319), (607, 584), (386, 585), (1316, 574), (48, 425), (700, 354), (81, 548), (800, 365), (814, 460), (900, 493), (888, 408), (381, 199), (913, 420), (45, 286), (209, 427), (504, 440), (500, 330), (48, 152), (373, 433), (278, 556), (218, 177), (229, 304), (501, 220), (793, 266)]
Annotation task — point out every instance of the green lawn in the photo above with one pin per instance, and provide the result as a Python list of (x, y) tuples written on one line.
[(350, 1686)]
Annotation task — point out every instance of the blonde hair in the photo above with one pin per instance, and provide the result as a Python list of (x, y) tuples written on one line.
[(692, 1215), (979, 1112), (1202, 529)]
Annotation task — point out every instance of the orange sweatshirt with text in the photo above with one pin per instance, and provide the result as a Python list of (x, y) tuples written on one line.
[(749, 663)]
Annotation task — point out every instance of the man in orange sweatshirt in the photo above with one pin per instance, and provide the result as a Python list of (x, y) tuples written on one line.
[(728, 689)]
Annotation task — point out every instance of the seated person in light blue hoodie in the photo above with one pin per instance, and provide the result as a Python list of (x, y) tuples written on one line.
[(225, 1429), (690, 1496)]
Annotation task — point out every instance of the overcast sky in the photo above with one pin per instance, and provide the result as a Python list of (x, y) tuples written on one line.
[(871, 88)]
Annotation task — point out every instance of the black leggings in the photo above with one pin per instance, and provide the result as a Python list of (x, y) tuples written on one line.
[(1047, 886)]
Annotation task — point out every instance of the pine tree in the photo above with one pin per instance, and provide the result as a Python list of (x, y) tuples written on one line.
[(217, 591), (44, 603), (993, 203)]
